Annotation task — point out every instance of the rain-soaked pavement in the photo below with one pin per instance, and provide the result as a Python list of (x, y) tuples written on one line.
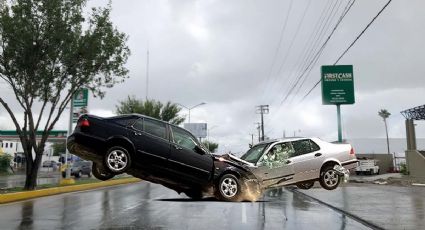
[(148, 206), (385, 206)]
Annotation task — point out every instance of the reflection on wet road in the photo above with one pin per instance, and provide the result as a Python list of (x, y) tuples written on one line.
[(148, 206)]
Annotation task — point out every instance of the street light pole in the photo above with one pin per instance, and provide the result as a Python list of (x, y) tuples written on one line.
[(202, 103)]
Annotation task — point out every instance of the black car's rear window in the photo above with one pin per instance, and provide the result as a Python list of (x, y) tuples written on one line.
[(125, 121)]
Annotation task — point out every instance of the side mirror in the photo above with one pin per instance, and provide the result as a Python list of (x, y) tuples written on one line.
[(199, 150)]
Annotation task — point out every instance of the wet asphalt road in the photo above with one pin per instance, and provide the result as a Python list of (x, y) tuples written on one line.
[(149, 206)]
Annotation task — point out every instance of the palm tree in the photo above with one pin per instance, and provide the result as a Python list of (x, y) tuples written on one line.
[(385, 114), (168, 112)]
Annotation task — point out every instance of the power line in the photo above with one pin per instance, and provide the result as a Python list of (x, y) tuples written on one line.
[(316, 56), (328, 9), (345, 12), (279, 44), (315, 35), (349, 47), (288, 50)]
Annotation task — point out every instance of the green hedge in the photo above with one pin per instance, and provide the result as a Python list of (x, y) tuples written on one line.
[(5, 162)]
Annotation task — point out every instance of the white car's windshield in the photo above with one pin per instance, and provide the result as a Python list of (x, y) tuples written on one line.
[(254, 153)]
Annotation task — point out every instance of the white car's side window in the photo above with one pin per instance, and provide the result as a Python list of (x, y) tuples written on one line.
[(277, 155)]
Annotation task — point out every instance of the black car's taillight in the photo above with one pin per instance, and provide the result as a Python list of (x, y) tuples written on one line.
[(83, 123)]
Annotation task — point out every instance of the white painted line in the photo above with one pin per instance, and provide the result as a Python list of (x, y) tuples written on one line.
[(417, 184), (243, 213)]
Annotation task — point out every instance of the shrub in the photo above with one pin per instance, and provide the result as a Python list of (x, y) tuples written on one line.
[(5, 162), (403, 169)]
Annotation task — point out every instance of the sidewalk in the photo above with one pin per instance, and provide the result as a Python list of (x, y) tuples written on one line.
[(385, 206), (383, 179)]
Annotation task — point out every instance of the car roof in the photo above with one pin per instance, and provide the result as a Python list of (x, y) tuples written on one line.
[(284, 139), (137, 115)]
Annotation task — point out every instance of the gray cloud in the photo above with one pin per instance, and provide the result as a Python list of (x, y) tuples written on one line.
[(220, 52)]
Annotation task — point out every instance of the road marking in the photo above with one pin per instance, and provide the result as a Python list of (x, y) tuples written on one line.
[(243, 213)]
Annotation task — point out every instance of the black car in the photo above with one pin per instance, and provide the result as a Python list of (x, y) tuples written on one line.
[(159, 152)]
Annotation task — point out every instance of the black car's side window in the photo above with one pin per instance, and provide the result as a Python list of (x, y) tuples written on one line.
[(139, 124), (155, 128), (301, 147), (183, 138)]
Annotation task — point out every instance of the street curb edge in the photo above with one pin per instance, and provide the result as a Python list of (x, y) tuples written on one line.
[(18, 196)]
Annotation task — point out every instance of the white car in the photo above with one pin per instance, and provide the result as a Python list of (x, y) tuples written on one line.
[(299, 161)]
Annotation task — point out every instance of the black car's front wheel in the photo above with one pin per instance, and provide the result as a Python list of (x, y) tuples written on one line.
[(101, 173), (117, 159), (229, 188)]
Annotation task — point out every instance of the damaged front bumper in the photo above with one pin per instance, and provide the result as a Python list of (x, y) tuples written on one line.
[(343, 172)]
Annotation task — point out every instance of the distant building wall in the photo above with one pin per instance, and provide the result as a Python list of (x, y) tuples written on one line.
[(416, 165), (385, 161)]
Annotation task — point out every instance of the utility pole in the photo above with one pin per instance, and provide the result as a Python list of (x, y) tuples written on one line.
[(252, 139), (262, 109), (147, 73)]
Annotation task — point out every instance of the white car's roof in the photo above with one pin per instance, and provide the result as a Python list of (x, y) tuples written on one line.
[(287, 139)]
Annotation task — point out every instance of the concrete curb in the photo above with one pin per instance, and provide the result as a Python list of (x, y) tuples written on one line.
[(18, 196)]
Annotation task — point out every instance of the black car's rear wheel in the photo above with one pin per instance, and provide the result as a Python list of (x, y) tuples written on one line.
[(228, 188), (305, 185), (101, 173), (117, 159), (329, 178)]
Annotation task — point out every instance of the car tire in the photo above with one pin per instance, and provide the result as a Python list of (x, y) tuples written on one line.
[(78, 174), (117, 159), (329, 179), (305, 185), (228, 188), (101, 174)]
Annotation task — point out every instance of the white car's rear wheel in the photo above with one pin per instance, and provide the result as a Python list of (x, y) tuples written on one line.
[(329, 178)]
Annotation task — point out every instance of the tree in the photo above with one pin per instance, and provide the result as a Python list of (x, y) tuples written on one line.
[(385, 114), (168, 112), (48, 51), (212, 146), (58, 148)]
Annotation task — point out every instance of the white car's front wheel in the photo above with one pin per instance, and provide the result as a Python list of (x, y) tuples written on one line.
[(329, 178)]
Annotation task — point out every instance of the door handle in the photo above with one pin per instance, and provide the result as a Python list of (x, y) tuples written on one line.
[(288, 161), (177, 147), (317, 154), (137, 134)]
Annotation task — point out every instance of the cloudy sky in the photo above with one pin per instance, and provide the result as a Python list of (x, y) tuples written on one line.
[(235, 55)]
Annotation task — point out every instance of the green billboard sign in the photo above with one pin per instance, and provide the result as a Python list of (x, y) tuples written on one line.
[(337, 85)]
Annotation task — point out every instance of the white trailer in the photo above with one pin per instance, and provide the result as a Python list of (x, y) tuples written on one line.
[(367, 166)]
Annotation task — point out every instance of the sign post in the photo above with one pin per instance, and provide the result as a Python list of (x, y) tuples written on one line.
[(78, 106), (337, 89)]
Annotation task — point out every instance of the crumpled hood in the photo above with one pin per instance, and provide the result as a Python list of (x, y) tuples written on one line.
[(234, 159)]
